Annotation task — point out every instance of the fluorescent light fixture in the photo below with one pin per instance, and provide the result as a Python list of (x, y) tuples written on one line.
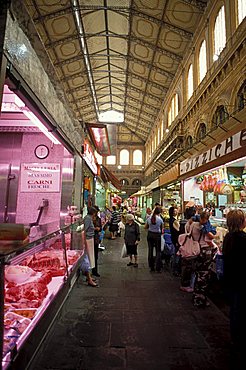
[(111, 116), (40, 125)]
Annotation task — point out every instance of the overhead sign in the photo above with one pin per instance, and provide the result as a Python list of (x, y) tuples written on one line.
[(99, 136), (40, 177), (227, 146), (90, 158)]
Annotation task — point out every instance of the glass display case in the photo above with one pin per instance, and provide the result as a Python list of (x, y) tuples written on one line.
[(35, 280)]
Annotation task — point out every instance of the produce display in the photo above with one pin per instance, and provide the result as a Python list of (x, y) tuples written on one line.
[(29, 284)]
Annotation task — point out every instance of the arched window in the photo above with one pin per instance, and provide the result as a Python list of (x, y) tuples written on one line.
[(202, 61), (137, 182), (241, 97), (219, 33), (124, 182), (220, 116), (137, 157), (241, 10), (111, 159), (190, 82), (124, 157), (173, 109), (202, 131), (189, 142)]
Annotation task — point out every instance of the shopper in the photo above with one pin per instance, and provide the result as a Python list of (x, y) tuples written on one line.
[(148, 212), (203, 261), (234, 252), (132, 238), (188, 264), (174, 230), (98, 228), (242, 197), (113, 224), (207, 229), (89, 230), (155, 225)]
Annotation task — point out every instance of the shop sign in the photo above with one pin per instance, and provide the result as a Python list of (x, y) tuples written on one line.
[(39, 178), (90, 158), (154, 184), (227, 146)]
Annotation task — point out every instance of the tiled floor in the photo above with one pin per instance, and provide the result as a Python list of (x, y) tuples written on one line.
[(135, 320)]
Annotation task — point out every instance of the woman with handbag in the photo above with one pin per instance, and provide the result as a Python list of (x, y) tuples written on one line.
[(188, 263), (155, 225), (89, 230), (132, 238)]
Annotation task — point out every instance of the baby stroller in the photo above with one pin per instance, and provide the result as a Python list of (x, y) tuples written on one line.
[(169, 249)]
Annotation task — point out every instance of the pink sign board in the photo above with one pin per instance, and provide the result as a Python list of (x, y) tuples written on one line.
[(40, 177)]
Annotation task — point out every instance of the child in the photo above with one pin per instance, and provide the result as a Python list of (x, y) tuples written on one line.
[(207, 229)]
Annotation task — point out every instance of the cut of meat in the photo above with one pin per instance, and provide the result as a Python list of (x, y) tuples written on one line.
[(31, 292)]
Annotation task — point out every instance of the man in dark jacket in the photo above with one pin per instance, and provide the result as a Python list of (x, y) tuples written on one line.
[(132, 238)]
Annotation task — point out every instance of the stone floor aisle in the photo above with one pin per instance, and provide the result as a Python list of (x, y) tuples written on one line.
[(134, 320)]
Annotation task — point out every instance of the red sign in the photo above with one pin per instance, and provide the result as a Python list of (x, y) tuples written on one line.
[(99, 136), (90, 158)]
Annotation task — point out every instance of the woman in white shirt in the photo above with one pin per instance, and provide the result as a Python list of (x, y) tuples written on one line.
[(154, 224)]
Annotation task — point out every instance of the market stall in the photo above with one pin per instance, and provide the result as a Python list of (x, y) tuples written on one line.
[(37, 277), (216, 178)]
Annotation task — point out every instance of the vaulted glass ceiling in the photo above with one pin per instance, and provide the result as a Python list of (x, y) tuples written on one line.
[(119, 55)]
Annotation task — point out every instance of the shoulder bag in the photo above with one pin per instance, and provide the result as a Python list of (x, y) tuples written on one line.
[(188, 246)]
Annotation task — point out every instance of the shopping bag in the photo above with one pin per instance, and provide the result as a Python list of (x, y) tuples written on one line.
[(121, 225), (219, 265), (124, 252), (85, 264), (169, 249), (162, 243)]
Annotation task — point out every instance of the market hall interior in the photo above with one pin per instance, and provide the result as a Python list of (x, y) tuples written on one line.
[(111, 103), (135, 320)]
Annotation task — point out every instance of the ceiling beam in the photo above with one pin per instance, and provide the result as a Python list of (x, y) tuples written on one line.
[(134, 133), (145, 104), (138, 119), (163, 24), (199, 4), (132, 38), (70, 9), (136, 125)]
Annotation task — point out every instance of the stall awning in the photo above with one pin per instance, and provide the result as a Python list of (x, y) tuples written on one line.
[(108, 176), (140, 192)]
